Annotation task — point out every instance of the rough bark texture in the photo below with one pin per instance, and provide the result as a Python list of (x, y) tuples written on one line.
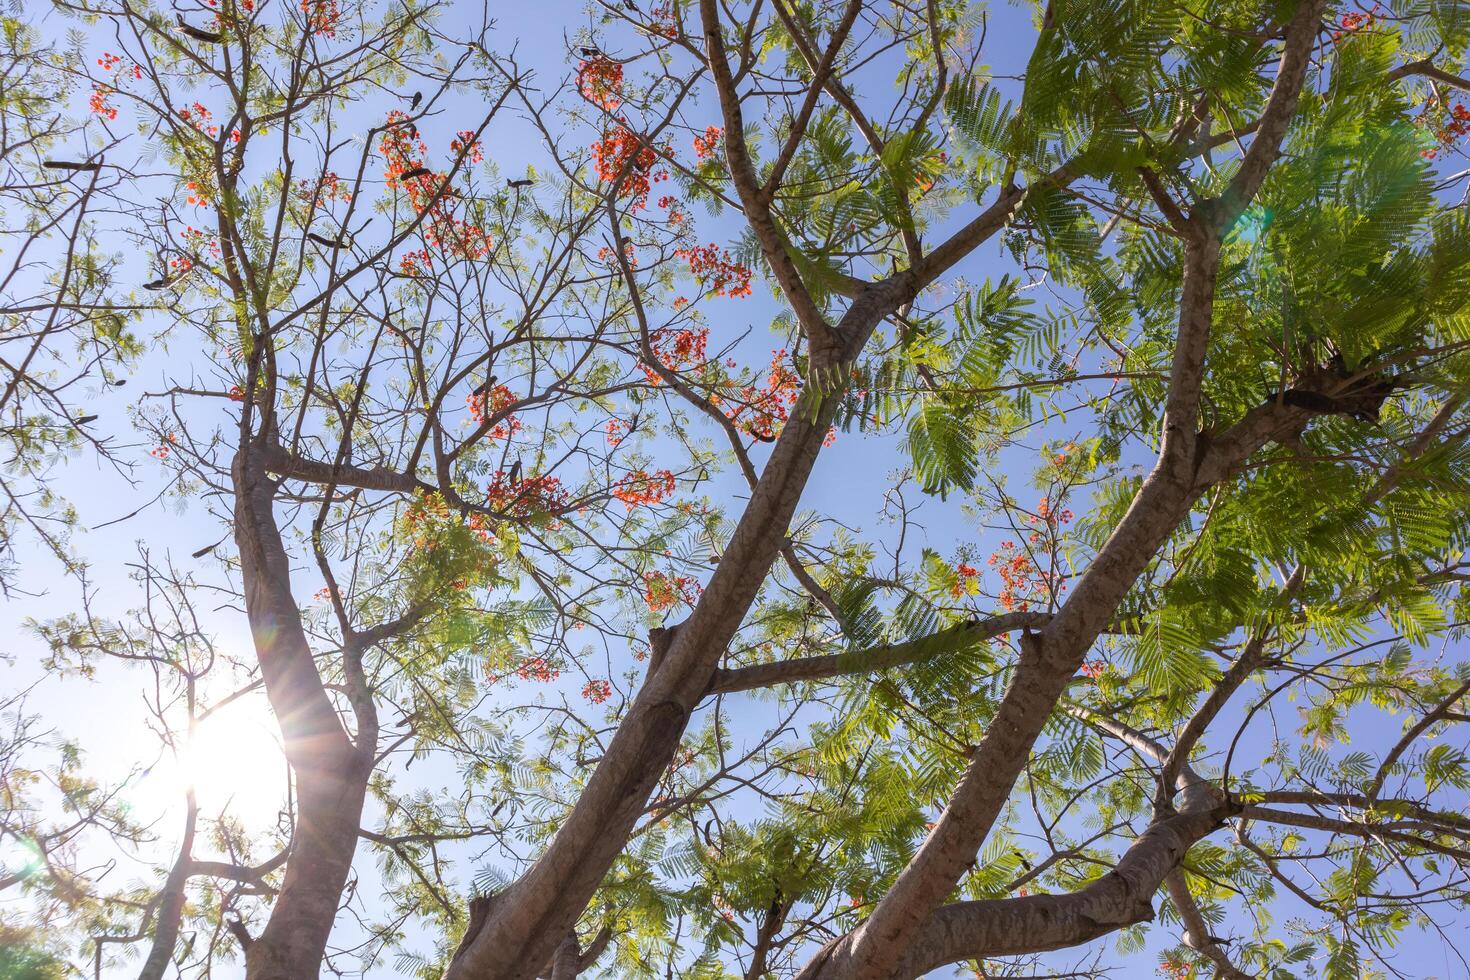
[(1049, 658), (171, 902), (521, 931), (330, 772)]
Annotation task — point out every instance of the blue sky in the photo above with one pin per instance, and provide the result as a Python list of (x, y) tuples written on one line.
[(106, 713)]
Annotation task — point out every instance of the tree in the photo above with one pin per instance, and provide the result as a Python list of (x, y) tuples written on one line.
[(1208, 668)]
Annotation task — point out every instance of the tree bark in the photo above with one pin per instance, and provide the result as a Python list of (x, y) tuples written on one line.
[(171, 901), (331, 773), (1050, 658), (520, 931)]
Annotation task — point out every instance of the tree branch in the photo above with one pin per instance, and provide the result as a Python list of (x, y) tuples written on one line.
[(872, 659)]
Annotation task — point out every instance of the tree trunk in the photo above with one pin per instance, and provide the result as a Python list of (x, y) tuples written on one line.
[(330, 772), (523, 926)]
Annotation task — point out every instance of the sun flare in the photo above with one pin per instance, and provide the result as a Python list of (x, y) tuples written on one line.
[(233, 763)]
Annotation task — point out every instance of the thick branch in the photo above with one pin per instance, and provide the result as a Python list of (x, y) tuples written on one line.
[(742, 173), (874, 658), (330, 772), (1197, 931), (1013, 926), (1427, 69), (1050, 658)]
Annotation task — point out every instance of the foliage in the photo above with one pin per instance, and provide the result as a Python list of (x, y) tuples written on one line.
[(504, 398)]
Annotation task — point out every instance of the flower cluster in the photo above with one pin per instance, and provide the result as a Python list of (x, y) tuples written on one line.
[(1173, 968), (110, 61), (415, 261), (642, 489), (537, 669), (466, 138), (198, 115), (597, 691), (162, 450), (237, 394), (676, 350), (98, 102), (967, 580), (404, 154), (322, 17), (196, 194), (1016, 570), (665, 20), (322, 191), (705, 146), (630, 255), (620, 153), (1093, 669), (401, 148), (617, 430), (1458, 125), (761, 412), (1046, 515), (713, 267), (600, 80), (1351, 23), (199, 240), (662, 591), (677, 219), (420, 518), (527, 496), (1449, 124), (427, 516), (487, 404), (1022, 582)]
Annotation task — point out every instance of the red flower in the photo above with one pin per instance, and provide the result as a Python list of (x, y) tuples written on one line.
[(98, 102), (526, 496), (677, 350), (597, 691), (163, 449), (455, 237), (639, 488), (713, 267), (963, 575), (322, 16), (665, 20), (1354, 22), (600, 80), (761, 412), (617, 431), (322, 191), (662, 591), (466, 138), (704, 146), (486, 404), (537, 669), (620, 153)]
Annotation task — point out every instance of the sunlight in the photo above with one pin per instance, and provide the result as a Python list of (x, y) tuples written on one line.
[(233, 762)]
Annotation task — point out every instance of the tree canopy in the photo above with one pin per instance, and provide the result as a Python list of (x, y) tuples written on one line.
[(824, 489)]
